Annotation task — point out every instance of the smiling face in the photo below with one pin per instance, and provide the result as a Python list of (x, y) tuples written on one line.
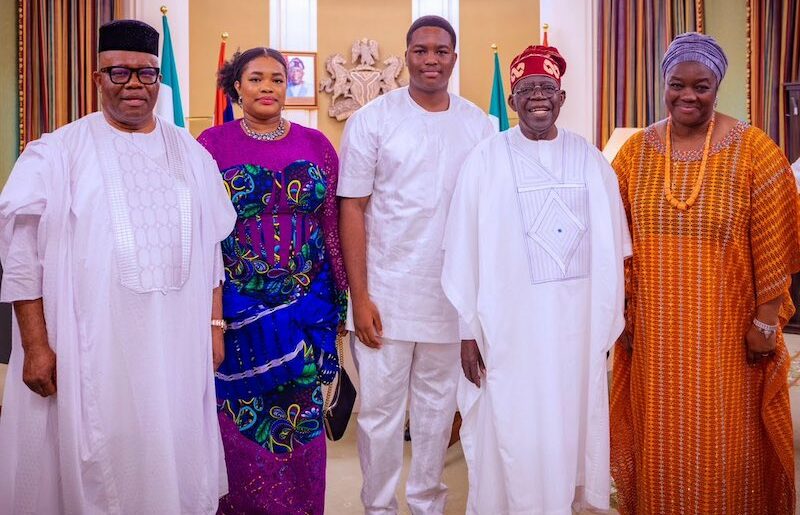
[(126, 106), (430, 58), (262, 88), (296, 74), (689, 93), (537, 113)]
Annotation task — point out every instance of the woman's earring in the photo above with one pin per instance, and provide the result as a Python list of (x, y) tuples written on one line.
[(239, 101), (716, 101)]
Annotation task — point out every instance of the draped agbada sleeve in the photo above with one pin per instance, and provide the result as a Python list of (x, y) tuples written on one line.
[(622, 167), (773, 222), (218, 213), (460, 271), (22, 204)]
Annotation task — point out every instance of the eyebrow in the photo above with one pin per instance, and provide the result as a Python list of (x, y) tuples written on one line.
[(416, 46), (543, 83), (681, 79)]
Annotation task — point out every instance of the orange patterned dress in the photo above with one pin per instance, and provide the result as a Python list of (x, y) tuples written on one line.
[(694, 427)]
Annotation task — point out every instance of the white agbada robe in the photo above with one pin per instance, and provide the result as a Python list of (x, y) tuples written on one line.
[(125, 254), (534, 265)]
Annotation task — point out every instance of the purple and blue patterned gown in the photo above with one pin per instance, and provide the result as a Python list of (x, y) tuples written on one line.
[(283, 298)]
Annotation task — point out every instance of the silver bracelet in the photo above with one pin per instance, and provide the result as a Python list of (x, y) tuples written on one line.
[(766, 329)]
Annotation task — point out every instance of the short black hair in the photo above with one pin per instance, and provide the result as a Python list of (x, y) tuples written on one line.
[(232, 70), (431, 21)]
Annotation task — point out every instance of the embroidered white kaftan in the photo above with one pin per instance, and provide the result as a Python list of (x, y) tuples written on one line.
[(534, 249), (119, 234)]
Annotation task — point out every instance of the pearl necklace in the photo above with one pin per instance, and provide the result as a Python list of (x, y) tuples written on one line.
[(265, 136), (674, 202)]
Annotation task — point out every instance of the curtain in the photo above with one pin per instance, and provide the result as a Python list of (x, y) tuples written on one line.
[(58, 52), (773, 59), (633, 36)]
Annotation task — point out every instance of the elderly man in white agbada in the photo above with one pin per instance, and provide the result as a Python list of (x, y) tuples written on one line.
[(534, 248), (109, 241)]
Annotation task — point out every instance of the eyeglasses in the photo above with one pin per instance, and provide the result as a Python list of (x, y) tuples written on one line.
[(122, 74), (547, 90)]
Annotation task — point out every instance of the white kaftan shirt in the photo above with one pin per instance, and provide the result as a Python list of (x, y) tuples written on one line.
[(119, 234), (534, 250), (407, 160)]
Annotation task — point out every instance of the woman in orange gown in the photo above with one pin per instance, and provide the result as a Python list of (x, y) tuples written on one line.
[(700, 419)]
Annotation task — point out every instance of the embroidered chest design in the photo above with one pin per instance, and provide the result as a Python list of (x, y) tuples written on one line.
[(151, 215), (277, 245), (554, 211)]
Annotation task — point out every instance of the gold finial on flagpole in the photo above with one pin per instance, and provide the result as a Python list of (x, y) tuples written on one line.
[(164, 10), (545, 27), (224, 36), (494, 47)]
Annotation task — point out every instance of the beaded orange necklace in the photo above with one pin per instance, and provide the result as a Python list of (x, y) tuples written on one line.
[(674, 202)]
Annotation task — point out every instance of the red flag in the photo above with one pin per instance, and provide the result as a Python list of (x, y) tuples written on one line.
[(223, 110)]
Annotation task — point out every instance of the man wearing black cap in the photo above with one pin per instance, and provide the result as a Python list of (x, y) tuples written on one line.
[(109, 241)]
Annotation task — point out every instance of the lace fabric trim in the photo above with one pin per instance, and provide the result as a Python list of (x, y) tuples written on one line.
[(733, 136)]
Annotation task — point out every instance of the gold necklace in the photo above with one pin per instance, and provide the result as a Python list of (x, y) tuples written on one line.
[(674, 202)]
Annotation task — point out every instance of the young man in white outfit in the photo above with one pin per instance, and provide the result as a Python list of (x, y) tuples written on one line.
[(400, 158)]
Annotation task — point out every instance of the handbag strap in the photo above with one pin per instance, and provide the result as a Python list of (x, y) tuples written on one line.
[(328, 406)]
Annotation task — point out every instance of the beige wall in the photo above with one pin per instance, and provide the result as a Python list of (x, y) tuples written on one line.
[(727, 22), (246, 22), (339, 23), (512, 24), (9, 91)]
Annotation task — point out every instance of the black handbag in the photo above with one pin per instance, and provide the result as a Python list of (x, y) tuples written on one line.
[(339, 400)]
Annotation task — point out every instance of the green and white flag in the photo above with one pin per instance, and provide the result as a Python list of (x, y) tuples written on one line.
[(497, 105), (169, 96)]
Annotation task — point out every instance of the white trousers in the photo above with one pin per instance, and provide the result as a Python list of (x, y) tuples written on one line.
[(429, 371)]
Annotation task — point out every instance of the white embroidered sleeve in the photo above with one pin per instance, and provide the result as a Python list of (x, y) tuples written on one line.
[(22, 269)]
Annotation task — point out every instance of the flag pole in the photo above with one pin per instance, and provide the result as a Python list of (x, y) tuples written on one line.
[(497, 101), (223, 110), (169, 104)]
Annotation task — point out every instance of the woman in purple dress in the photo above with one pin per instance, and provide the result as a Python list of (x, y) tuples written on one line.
[(284, 296)]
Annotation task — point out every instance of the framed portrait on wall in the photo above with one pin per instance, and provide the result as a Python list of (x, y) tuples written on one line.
[(301, 82)]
